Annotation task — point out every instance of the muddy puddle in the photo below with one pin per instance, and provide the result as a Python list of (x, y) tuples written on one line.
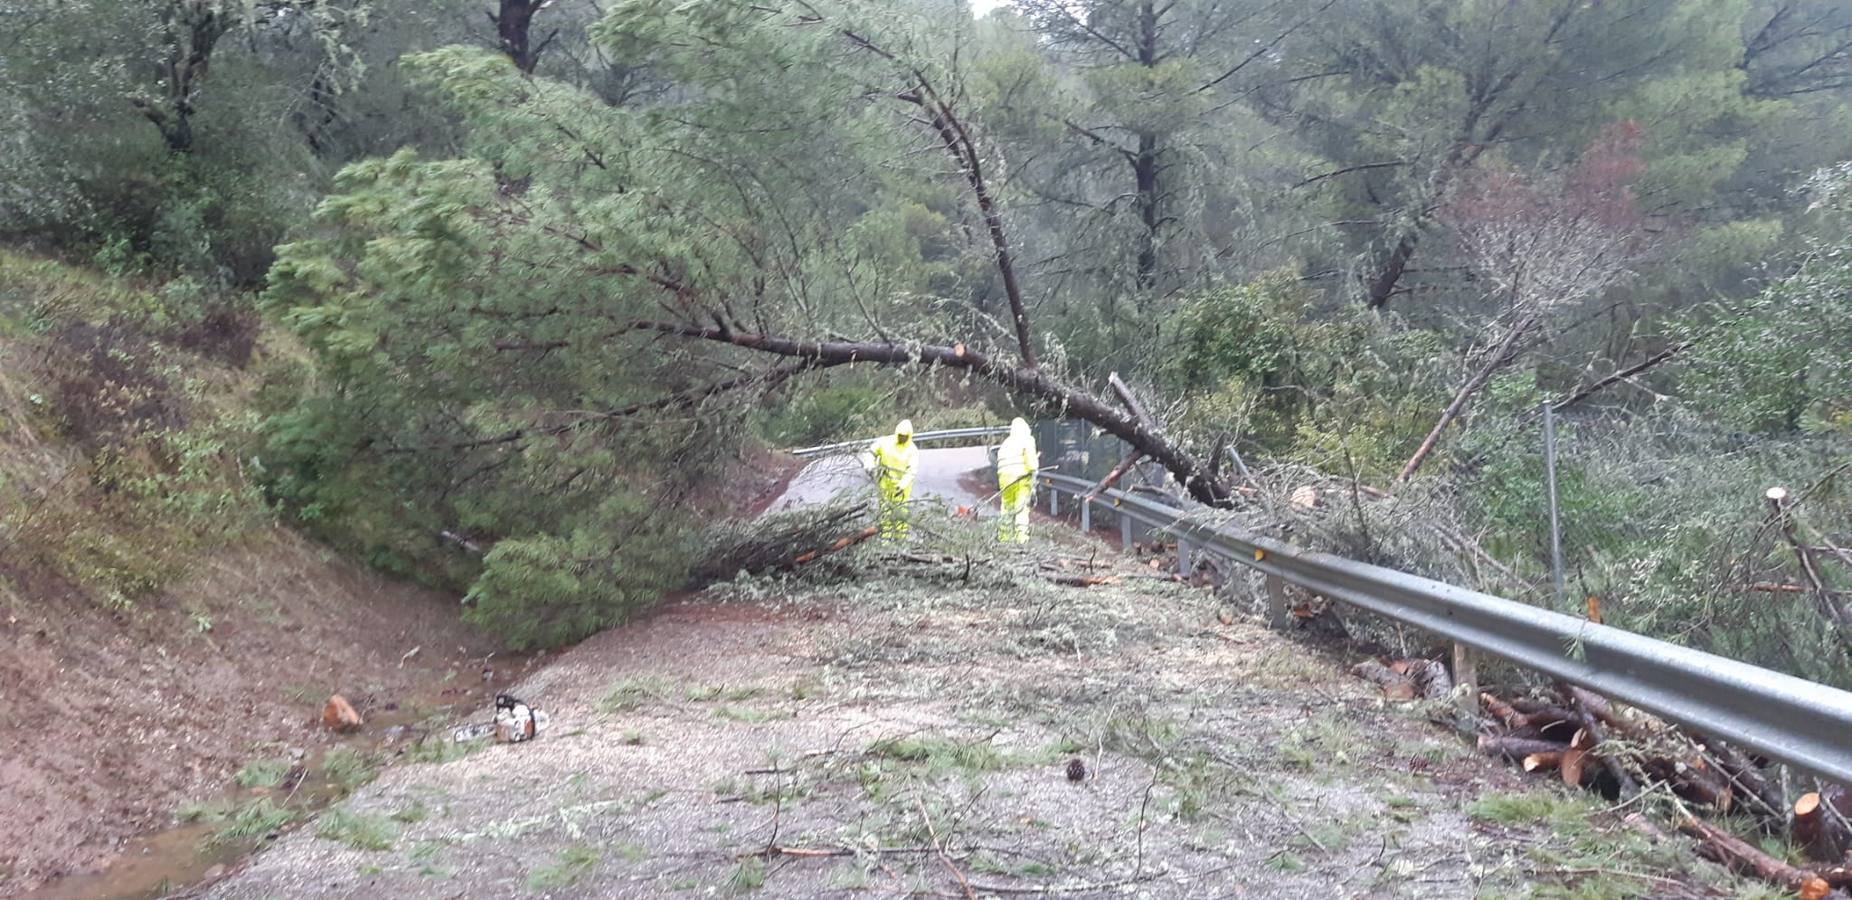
[(230, 827)]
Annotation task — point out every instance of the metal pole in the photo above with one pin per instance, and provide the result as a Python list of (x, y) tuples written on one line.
[(1054, 501), (1086, 516), (1183, 557), (1556, 531), (1278, 616), (1125, 531)]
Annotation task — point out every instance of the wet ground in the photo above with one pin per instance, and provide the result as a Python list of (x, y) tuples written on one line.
[(944, 729), (941, 476)]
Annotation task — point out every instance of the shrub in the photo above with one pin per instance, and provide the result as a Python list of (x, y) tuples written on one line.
[(549, 590)]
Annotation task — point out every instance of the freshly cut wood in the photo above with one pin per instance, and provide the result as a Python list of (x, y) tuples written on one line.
[(1819, 824), (1500, 710), (1538, 762), (1516, 749), (1809, 820), (1590, 707), (1572, 766), (1594, 704), (1737, 854), (841, 543), (1837, 876), (1534, 717)]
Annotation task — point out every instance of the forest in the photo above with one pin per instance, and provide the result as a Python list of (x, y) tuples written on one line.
[(515, 286)]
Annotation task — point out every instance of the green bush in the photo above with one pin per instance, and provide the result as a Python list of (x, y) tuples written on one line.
[(549, 590), (829, 413)]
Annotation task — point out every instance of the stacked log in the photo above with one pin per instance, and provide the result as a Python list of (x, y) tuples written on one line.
[(1586, 741)]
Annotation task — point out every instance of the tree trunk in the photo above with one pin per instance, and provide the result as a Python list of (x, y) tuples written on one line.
[(1145, 176), (1145, 168), (192, 30), (514, 29), (1028, 382)]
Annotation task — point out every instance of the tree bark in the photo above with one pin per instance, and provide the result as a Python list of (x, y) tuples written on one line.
[(1738, 854), (192, 31), (1029, 382), (1145, 182), (514, 30), (1516, 749)]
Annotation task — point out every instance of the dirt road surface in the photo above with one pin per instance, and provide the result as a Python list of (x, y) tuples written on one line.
[(913, 734)]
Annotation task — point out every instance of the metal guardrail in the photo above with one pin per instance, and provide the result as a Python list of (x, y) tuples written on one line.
[(1795, 721), (927, 437)]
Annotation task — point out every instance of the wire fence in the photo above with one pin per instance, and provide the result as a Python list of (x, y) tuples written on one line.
[(1676, 527)]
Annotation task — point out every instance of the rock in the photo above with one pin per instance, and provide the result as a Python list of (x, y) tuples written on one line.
[(339, 715), (1304, 497), (214, 874)]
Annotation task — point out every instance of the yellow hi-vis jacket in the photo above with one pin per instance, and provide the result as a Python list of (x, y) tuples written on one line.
[(1017, 459), (894, 462)]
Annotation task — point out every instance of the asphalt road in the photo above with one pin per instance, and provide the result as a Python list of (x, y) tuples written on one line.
[(938, 478)]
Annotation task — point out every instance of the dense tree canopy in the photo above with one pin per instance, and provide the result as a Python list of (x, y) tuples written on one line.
[(532, 250)]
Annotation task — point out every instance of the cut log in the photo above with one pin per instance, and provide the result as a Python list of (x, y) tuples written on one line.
[(1573, 764), (1590, 708), (1752, 788), (1594, 704), (1500, 710), (1839, 877), (1817, 829), (1516, 749), (1692, 780), (1538, 762), (1738, 855), (841, 543)]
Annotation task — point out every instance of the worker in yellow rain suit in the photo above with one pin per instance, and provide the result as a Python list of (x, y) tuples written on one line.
[(1017, 463), (890, 460)]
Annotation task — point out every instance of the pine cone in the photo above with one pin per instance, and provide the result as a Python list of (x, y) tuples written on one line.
[(1076, 770)]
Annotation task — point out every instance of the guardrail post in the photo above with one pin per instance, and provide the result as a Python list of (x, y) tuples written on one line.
[(1054, 501), (1278, 617), (1125, 532), (1183, 557), (1086, 516), (1466, 672)]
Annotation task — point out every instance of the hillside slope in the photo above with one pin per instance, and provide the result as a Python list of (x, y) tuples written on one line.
[(158, 630)]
